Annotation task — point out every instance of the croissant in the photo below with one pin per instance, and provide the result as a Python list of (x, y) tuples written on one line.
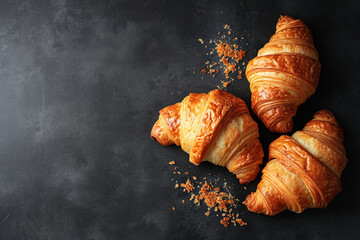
[(214, 127), (284, 74), (304, 170)]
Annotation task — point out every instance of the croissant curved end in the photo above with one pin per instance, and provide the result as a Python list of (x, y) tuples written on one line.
[(284, 19), (254, 204), (159, 133), (283, 126), (250, 175), (325, 115), (246, 165)]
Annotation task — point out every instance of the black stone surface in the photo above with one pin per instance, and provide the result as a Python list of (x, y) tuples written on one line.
[(80, 86)]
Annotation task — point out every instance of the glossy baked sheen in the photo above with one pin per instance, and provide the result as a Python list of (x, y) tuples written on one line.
[(214, 127), (304, 170), (284, 74)]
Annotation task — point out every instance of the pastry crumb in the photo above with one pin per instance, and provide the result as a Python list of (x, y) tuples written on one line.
[(225, 221), (240, 222), (225, 84), (229, 56), (240, 77), (188, 186)]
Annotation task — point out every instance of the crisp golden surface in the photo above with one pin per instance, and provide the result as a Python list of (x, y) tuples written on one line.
[(214, 127), (304, 170), (284, 74)]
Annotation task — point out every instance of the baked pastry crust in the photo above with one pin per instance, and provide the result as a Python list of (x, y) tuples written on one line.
[(214, 127), (304, 170), (284, 74)]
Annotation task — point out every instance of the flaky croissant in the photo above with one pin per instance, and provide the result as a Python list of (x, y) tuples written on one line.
[(304, 170), (284, 74), (214, 127)]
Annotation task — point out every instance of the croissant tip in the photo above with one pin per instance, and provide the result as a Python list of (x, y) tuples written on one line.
[(159, 134), (285, 18), (283, 126), (252, 204), (325, 115), (324, 112)]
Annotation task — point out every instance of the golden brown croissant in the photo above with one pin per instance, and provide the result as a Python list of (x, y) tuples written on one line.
[(214, 127), (304, 170), (284, 74)]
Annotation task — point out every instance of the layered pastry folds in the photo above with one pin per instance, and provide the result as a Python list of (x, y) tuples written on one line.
[(214, 127), (304, 170), (284, 74)]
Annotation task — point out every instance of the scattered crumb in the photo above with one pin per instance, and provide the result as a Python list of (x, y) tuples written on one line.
[(172, 162), (225, 221), (194, 178), (225, 49), (188, 186), (207, 213), (176, 185), (225, 84), (173, 208), (240, 222), (186, 173), (240, 77), (229, 57), (192, 197)]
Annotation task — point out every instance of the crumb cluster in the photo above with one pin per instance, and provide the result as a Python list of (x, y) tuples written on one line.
[(227, 52), (228, 58), (219, 202)]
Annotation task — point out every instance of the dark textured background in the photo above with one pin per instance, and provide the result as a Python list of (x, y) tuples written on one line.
[(80, 86)]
